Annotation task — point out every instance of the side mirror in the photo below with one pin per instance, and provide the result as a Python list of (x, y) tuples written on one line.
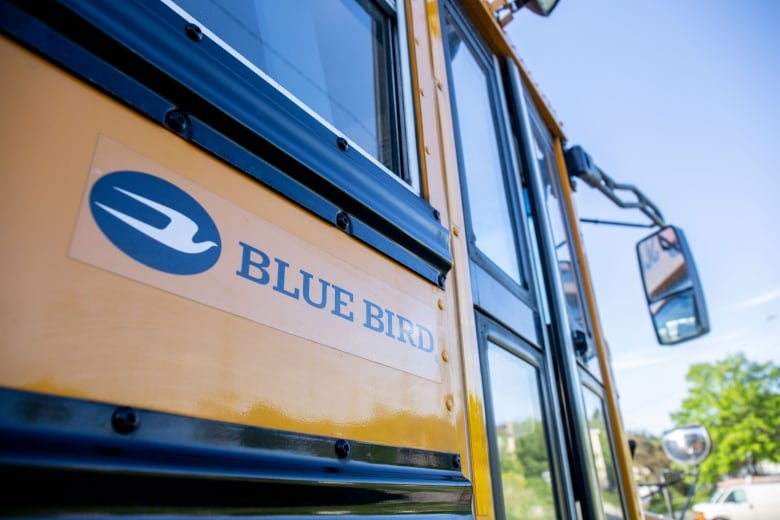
[(688, 445), (672, 288)]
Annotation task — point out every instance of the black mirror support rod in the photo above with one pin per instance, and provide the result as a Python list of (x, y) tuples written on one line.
[(581, 165), (616, 223)]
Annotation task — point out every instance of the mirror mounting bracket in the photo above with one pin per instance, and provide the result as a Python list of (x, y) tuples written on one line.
[(616, 223), (579, 164)]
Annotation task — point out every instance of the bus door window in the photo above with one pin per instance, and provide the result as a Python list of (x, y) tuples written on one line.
[(488, 194), (542, 154), (564, 313), (519, 422), (601, 452), (526, 440), (597, 447)]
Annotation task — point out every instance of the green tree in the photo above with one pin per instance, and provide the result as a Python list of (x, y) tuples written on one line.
[(738, 401)]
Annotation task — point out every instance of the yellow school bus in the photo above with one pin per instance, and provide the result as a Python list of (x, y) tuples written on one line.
[(285, 259)]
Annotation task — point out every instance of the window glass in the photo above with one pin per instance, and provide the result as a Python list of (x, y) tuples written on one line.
[(737, 496), (543, 154), (332, 56), (716, 496), (521, 441), (601, 454), (491, 222)]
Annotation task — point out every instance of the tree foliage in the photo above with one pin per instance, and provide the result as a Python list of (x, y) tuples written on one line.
[(525, 478), (739, 403), (649, 462), (649, 457)]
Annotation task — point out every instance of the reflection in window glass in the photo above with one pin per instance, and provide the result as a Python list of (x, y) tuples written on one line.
[(521, 442), (544, 156), (333, 56), (487, 193), (675, 317), (601, 453)]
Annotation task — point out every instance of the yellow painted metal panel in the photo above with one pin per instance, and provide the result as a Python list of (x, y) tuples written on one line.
[(90, 330), (441, 157)]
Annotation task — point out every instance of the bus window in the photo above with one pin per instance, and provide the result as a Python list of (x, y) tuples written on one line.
[(335, 58), (312, 102)]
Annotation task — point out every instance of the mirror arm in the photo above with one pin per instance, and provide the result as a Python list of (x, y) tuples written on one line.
[(581, 165), (664, 485), (691, 491), (616, 223), (667, 494)]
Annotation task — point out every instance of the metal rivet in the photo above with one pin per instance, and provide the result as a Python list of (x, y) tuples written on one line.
[(440, 304), (125, 420), (456, 231), (343, 221), (342, 144), (177, 121), (440, 85), (436, 214), (444, 356), (449, 403), (442, 278), (193, 32), (456, 461), (342, 448)]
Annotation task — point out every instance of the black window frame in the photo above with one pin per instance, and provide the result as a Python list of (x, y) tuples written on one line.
[(582, 334), (511, 171), (591, 384), (150, 58), (490, 331)]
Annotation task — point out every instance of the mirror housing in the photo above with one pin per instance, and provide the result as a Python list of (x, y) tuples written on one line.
[(672, 288), (542, 7), (688, 445)]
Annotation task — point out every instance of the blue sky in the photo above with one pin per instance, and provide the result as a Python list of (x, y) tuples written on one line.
[(681, 99)]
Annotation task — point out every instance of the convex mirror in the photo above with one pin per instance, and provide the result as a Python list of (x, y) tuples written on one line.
[(674, 295), (688, 445)]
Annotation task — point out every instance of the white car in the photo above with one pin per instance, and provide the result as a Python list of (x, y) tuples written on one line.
[(746, 499)]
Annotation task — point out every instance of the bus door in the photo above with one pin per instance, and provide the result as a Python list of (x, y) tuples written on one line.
[(525, 433), (528, 325), (577, 373)]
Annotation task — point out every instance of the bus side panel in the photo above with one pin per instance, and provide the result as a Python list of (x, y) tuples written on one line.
[(81, 318)]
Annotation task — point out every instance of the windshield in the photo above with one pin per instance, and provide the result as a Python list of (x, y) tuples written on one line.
[(717, 495)]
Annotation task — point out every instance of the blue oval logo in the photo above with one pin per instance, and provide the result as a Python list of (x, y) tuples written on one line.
[(155, 222)]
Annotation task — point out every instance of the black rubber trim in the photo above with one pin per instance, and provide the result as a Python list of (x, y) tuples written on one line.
[(63, 456)]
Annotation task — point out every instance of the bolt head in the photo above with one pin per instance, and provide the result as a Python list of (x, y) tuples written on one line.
[(342, 448), (193, 32), (125, 420)]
